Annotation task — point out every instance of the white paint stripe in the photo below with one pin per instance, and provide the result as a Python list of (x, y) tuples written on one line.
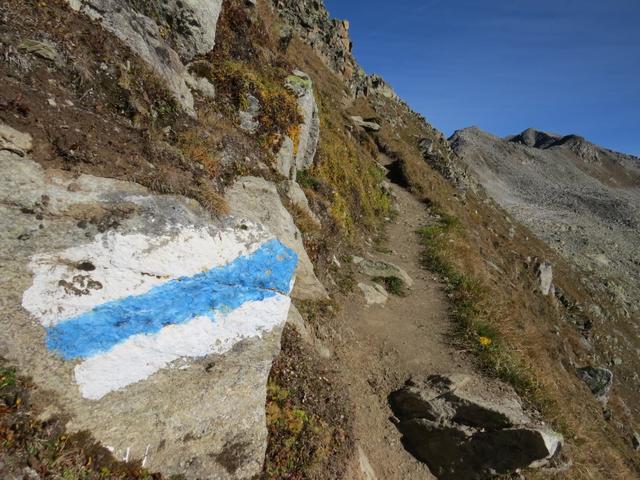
[(128, 265), (142, 355)]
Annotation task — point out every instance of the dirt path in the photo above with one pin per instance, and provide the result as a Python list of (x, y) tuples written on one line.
[(380, 347)]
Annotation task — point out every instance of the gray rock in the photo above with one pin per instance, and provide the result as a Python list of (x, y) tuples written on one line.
[(202, 85), (193, 25), (599, 381), (41, 49), (462, 430), (292, 158), (635, 440), (249, 117), (545, 277), (70, 243), (14, 141), (459, 399), (378, 268), (373, 294), (257, 200), (296, 195), (367, 125), (375, 84), (284, 158)]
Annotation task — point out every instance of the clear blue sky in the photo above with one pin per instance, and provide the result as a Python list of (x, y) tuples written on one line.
[(565, 66)]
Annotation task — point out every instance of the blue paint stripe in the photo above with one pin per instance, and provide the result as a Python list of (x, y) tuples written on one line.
[(255, 277)]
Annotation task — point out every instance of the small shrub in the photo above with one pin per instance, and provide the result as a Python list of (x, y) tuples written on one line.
[(196, 146), (7, 377), (306, 180), (235, 80), (393, 285)]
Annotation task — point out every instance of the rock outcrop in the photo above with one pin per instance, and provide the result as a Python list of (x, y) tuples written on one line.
[(461, 430), (191, 25), (299, 153), (257, 199), (366, 124), (599, 381), (329, 37), (545, 277), (144, 320)]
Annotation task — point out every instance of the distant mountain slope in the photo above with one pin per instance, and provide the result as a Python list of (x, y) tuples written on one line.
[(580, 198)]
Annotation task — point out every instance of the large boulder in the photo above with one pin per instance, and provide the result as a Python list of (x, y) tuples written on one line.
[(192, 25), (141, 318), (461, 429), (192, 28), (369, 125), (257, 199)]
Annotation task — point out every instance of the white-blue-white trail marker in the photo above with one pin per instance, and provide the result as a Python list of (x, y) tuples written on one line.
[(126, 306)]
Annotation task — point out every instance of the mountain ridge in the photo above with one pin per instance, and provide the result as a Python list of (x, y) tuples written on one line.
[(406, 271)]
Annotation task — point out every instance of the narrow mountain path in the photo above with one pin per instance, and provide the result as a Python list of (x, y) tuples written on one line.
[(378, 348)]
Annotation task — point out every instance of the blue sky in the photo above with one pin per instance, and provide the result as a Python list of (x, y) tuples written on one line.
[(564, 66)]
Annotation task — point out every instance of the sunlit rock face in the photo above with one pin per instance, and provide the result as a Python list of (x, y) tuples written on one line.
[(142, 318)]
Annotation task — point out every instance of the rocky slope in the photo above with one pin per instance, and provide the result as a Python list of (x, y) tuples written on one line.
[(189, 186), (580, 198), (584, 201)]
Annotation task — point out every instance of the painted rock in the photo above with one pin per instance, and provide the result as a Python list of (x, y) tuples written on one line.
[(141, 318)]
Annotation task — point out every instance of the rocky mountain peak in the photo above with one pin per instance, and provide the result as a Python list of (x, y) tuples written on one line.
[(535, 138)]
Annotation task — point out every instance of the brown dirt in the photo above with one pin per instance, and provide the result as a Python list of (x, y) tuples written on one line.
[(378, 348)]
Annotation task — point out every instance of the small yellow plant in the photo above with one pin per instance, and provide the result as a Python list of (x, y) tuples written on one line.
[(485, 341), (294, 134)]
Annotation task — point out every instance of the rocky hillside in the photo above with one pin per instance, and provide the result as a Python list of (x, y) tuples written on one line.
[(581, 199), (227, 252)]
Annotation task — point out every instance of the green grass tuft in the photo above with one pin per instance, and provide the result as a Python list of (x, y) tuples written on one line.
[(473, 328), (393, 285)]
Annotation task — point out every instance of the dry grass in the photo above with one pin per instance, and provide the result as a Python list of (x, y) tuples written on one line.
[(210, 199)]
